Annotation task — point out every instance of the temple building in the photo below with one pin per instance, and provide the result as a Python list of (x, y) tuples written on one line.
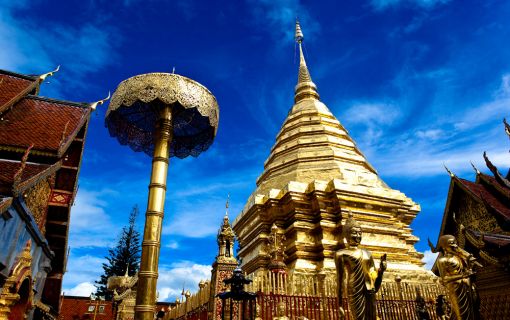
[(314, 176), (477, 213), (41, 146)]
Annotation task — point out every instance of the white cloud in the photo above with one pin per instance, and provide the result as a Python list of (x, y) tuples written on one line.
[(172, 278), (82, 269), (453, 139), (372, 113), (427, 4), (374, 117), (430, 134), (429, 258), (172, 245), (198, 218), (200, 190), (199, 221), (29, 46), (90, 224), (83, 289)]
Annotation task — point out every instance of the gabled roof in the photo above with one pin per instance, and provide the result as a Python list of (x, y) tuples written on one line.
[(14, 86), (50, 125), (31, 174), (485, 195)]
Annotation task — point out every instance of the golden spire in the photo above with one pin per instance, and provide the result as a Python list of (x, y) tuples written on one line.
[(305, 87), (226, 206)]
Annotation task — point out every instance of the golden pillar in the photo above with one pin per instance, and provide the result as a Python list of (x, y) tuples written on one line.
[(148, 274), (163, 115)]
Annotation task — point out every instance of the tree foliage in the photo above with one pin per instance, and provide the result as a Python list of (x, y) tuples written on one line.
[(125, 254)]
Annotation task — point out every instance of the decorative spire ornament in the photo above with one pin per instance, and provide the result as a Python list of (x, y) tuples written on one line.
[(43, 77), (305, 88)]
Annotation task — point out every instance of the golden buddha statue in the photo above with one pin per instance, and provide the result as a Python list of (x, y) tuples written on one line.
[(281, 312), (456, 270), (357, 276)]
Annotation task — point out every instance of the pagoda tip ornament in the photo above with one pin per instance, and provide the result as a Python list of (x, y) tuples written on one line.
[(305, 88)]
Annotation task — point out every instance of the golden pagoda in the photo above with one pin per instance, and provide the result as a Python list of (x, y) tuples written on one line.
[(314, 175)]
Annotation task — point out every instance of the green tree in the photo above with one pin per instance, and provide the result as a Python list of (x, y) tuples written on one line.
[(125, 254)]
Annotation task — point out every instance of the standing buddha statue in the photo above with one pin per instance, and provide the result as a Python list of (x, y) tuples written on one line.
[(456, 271), (357, 277)]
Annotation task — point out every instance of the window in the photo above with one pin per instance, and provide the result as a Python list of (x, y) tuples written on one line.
[(101, 309), (91, 308)]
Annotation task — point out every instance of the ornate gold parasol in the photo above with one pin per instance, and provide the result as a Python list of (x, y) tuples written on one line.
[(163, 115)]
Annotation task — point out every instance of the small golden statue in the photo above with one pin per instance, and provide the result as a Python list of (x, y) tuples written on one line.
[(257, 312), (356, 275), (456, 271), (281, 312)]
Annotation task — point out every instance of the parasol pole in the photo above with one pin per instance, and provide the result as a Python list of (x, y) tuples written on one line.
[(148, 274)]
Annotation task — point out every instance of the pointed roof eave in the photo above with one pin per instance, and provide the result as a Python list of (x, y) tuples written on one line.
[(498, 176), (305, 87), (446, 216), (22, 186), (66, 142)]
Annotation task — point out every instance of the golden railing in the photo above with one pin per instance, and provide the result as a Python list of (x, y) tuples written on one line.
[(195, 304)]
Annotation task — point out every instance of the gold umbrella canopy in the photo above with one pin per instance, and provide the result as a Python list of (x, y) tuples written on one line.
[(134, 110)]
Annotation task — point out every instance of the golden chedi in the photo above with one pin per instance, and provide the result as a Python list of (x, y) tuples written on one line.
[(313, 176)]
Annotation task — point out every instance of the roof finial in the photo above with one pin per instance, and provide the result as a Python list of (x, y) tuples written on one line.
[(43, 77), (449, 172), (305, 87), (94, 105), (23, 163), (475, 168)]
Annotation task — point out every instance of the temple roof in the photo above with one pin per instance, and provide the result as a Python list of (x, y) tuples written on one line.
[(495, 240), (46, 123), (485, 193), (29, 174), (312, 144), (491, 191), (41, 139), (14, 86)]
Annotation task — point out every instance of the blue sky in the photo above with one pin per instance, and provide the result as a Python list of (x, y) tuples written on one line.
[(417, 83)]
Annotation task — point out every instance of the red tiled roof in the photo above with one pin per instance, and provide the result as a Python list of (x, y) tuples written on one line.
[(30, 173), (78, 308), (492, 181), (74, 307), (12, 85), (482, 193), (42, 122)]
